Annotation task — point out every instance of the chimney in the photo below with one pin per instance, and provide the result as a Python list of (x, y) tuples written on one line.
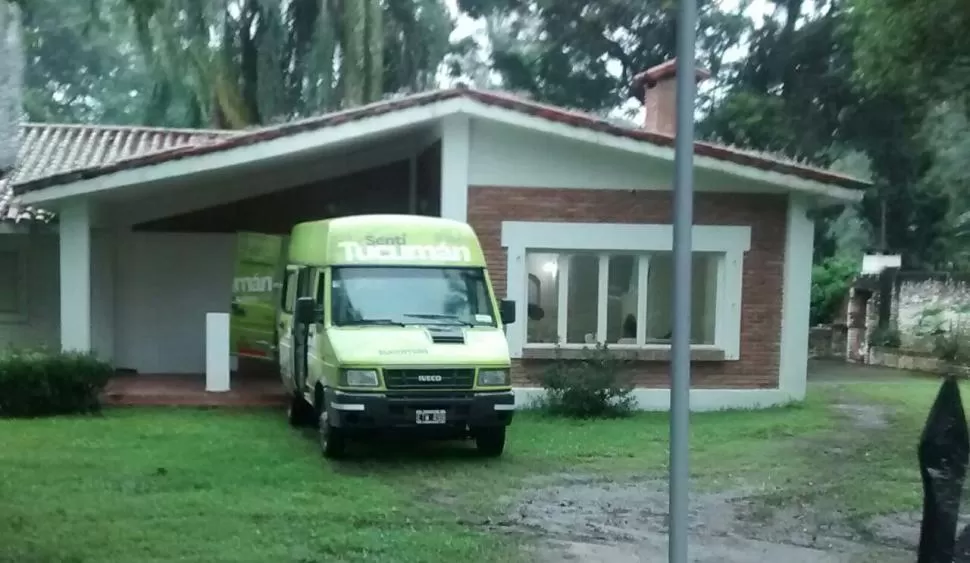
[(660, 95)]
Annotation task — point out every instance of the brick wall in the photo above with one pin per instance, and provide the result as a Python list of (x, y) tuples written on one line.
[(762, 277)]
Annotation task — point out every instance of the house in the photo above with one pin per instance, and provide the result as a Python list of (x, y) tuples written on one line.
[(574, 213)]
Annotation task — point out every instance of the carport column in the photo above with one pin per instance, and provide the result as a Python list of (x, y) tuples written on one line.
[(796, 297), (75, 274), (455, 147)]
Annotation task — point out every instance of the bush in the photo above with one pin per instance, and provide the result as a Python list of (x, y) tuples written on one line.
[(595, 386), (41, 383), (887, 337)]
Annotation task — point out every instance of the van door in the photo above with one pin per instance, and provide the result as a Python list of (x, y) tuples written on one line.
[(301, 333), (284, 333)]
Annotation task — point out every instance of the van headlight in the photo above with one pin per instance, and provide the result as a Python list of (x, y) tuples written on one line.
[(361, 378), (493, 377)]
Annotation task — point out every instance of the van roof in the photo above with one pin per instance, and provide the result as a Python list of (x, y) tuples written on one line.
[(385, 240)]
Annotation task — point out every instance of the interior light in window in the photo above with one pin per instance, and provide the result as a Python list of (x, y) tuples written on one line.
[(549, 268)]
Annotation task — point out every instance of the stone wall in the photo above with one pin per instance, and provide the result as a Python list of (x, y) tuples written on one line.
[(925, 299)]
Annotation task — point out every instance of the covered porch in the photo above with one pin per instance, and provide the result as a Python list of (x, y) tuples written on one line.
[(144, 254)]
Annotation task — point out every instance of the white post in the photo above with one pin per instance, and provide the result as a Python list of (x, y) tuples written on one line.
[(217, 353), (75, 276)]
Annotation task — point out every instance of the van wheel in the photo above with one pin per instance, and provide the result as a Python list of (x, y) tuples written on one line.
[(333, 441), (490, 441), (299, 412)]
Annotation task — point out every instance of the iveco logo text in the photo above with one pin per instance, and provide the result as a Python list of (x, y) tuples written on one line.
[(354, 251), (429, 378)]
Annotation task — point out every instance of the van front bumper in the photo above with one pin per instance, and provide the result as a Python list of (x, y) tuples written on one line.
[(445, 411)]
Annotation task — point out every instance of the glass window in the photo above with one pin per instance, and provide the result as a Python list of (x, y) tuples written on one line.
[(582, 304), (543, 307), (660, 298), (621, 304), (409, 295), (289, 290), (11, 288)]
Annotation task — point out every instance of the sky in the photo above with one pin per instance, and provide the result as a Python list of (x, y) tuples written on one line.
[(466, 26)]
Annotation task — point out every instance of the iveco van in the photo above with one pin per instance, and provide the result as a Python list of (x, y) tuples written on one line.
[(389, 323)]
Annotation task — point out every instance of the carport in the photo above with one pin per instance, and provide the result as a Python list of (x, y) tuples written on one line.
[(147, 246)]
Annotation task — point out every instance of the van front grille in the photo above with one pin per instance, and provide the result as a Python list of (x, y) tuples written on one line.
[(429, 378)]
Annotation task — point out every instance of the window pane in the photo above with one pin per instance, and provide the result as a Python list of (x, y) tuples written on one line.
[(543, 306), (582, 302), (10, 273), (431, 296), (621, 305), (660, 297), (289, 291)]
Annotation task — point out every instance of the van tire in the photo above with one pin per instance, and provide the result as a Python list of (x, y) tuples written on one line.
[(490, 441), (300, 413), (333, 441)]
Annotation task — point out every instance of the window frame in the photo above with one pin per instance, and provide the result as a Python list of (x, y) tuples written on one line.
[(21, 314), (643, 259), (729, 242)]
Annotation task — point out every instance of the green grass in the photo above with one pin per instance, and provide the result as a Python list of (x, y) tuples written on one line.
[(141, 485)]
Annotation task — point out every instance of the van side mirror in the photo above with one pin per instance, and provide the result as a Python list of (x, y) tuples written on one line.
[(306, 312), (507, 311)]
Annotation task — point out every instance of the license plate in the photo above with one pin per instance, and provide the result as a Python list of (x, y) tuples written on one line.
[(430, 417)]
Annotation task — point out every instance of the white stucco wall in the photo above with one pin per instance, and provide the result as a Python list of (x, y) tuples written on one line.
[(166, 283)]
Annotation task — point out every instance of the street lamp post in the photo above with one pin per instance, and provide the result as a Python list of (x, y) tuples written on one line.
[(680, 344)]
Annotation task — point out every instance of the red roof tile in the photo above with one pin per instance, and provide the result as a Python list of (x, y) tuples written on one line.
[(50, 150), (185, 144)]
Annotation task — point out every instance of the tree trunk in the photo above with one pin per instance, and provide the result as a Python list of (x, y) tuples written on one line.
[(11, 84), (375, 50), (353, 56)]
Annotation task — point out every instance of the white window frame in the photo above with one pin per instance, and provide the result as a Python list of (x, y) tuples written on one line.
[(729, 241), (20, 315)]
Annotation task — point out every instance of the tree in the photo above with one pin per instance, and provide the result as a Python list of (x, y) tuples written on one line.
[(235, 63), (11, 79), (585, 54)]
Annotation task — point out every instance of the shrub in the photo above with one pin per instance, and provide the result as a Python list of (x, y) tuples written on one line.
[(42, 383), (598, 385), (887, 337)]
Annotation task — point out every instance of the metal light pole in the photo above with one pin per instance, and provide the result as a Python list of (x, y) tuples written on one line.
[(680, 345)]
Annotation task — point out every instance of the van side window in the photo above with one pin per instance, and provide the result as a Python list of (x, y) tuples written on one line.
[(321, 281), (289, 291)]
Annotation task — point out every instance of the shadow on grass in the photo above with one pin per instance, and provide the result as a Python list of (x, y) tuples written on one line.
[(379, 453)]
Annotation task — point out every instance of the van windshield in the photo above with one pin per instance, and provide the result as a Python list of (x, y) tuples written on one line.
[(410, 295)]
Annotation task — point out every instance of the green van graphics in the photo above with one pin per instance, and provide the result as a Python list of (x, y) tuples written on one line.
[(256, 295)]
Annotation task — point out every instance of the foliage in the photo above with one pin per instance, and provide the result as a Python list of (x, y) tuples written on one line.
[(230, 63), (600, 385), (11, 78), (885, 337), (585, 54), (831, 281), (41, 383)]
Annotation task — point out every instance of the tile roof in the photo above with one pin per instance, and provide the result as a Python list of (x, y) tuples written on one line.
[(53, 149), (118, 149)]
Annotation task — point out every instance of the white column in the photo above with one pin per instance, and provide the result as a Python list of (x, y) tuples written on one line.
[(75, 276), (217, 352), (796, 296), (455, 135)]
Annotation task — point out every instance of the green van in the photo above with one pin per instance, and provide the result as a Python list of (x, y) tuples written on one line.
[(389, 323)]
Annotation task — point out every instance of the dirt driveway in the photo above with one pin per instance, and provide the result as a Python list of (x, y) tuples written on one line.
[(593, 519)]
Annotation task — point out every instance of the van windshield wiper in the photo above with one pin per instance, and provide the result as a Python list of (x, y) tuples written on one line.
[(438, 317), (386, 322)]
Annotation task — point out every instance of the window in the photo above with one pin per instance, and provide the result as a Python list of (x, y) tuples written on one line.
[(588, 297), (289, 289), (13, 286), (410, 295)]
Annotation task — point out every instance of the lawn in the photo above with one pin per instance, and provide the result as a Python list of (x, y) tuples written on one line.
[(139, 485)]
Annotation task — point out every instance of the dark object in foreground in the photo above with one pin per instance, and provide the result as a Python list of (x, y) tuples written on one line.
[(943, 456)]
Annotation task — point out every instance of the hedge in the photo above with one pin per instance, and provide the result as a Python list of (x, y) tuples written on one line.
[(42, 383)]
